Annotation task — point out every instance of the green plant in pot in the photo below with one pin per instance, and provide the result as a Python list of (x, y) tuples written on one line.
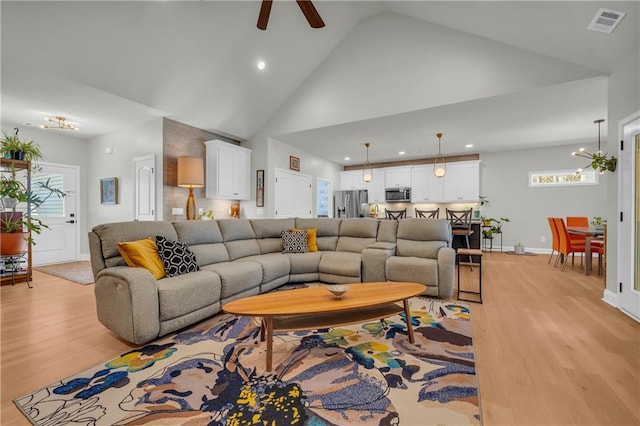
[(16, 226), (11, 146), (492, 226)]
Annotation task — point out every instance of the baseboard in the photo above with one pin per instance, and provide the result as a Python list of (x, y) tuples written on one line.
[(611, 298), (84, 257)]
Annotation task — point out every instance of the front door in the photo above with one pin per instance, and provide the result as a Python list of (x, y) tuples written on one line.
[(58, 243)]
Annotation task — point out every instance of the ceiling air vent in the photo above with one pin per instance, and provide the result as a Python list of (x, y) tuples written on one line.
[(606, 20)]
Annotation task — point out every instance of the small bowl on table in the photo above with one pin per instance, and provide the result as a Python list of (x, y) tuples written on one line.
[(337, 290)]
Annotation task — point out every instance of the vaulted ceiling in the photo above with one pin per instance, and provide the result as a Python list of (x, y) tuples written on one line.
[(499, 75)]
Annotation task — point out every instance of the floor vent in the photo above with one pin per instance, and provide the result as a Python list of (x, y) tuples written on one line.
[(606, 20)]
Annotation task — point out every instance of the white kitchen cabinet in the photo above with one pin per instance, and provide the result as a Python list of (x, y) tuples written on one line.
[(397, 177), (462, 182), (376, 187), (228, 172), (352, 179), (425, 187)]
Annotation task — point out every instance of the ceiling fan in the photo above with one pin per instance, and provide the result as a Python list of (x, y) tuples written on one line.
[(306, 6)]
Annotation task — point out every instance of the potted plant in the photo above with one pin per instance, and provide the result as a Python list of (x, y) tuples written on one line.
[(16, 226), (11, 146), (492, 226), (598, 221)]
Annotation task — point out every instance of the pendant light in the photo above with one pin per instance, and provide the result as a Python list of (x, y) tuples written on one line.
[(367, 170), (439, 165), (599, 160)]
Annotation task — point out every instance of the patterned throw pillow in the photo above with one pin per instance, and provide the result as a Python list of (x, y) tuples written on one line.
[(176, 257), (312, 240), (294, 242)]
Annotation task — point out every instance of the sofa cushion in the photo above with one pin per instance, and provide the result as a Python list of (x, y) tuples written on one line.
[(110, 234), (194, 232), (268, 232), (143, 254), (327, 231), (176, 257), (412, 269), (239, 238), (294, 242), (274, 265), (305, 263), (236, 277), (341, 263), (184, 294), (387, 230)]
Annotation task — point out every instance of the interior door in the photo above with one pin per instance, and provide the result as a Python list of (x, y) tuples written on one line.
[(293, 194), (145, 187), (58, 243)]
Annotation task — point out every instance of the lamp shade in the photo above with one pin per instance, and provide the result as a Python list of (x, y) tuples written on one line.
[(190, 172)]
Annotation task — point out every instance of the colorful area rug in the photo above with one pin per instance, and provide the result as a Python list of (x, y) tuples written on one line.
[(79, 272), (213, 374)]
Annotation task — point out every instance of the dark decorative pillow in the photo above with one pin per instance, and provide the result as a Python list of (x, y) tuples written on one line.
[(294, 241), (176, 257)]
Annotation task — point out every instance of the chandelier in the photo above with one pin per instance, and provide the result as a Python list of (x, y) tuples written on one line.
[(599, 160), (59, 123), (439, 165), (367, 170)]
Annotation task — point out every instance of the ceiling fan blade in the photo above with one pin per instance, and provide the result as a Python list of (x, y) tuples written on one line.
[(310, 12), (263, 18)]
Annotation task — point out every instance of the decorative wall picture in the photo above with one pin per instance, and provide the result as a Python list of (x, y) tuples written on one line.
[(259, 188), (109, 190), (294, 163)]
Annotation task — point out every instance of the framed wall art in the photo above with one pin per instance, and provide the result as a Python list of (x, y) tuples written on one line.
[(294, 163), (109, 190), (259, 188)]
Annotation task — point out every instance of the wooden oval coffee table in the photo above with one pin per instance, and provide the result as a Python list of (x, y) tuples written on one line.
[(315, 307)]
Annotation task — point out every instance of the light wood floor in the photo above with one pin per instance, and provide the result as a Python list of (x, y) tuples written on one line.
[(549, 351)]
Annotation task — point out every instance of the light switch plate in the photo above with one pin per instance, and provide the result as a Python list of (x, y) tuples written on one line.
[(177, 211)]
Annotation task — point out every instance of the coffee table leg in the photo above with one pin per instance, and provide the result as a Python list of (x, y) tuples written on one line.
[(268, 322), (407, 316), (262, 326)]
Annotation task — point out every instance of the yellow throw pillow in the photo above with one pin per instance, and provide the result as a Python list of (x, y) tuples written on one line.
[(142, 253), (312, 239)]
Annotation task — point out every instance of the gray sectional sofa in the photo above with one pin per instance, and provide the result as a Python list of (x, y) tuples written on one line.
[(243, 257)]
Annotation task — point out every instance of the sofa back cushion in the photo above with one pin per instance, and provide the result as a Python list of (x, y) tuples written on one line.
[(420, 237), (110, 234), (328, 230), (269, 233), (387, 231), (239, 238), (204, 239), (356, 234)]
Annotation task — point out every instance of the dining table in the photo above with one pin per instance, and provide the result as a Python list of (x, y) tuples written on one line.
[(589, 232)]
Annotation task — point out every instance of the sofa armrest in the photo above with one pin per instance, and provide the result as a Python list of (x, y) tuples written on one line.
[(127, 303), (381, 245), (374, 259), (446, 271)]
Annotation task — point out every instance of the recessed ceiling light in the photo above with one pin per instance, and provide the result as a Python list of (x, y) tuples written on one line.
[(347, 158), (261, 65), (469, 145), (401, 152)]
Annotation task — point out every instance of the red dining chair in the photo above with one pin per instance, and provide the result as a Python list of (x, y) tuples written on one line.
[(555, 243), (581, 221), (567, 247)]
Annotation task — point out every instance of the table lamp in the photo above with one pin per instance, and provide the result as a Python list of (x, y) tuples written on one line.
[(190, 175)]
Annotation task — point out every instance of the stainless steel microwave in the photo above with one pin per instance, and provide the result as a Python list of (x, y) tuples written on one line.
[(398, 195)]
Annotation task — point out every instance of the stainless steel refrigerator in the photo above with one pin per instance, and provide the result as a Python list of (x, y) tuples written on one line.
[(351, 203)]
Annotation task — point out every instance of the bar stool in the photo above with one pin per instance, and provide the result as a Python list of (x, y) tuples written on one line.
[(470, 253)]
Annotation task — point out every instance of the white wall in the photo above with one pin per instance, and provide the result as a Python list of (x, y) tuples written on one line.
[(275, 154), (504, 181), (132, 142), (62, 148)]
